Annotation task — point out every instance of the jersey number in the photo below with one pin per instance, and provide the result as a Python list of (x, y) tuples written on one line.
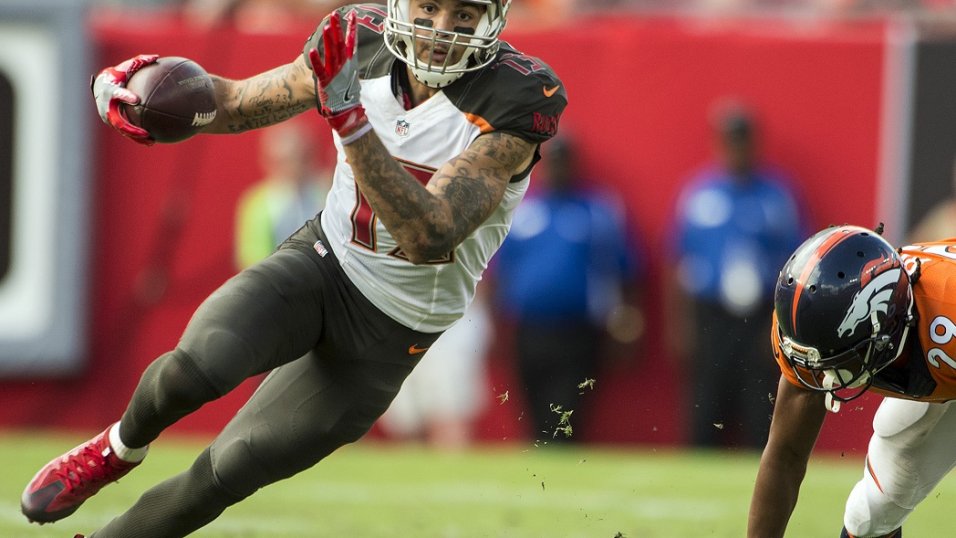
[(941, 331), (363, 216), (521, 63)]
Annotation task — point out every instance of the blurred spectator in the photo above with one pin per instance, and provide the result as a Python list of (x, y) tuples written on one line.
[(786, 7), (443, 396), (541, 13), (256, 15), (940, 221), (293, 191), (136, 4), (566, 276), (259, 16), (736, 224), (887, 5)]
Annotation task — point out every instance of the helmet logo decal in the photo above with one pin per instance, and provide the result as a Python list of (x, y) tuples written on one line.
[(874, 297)]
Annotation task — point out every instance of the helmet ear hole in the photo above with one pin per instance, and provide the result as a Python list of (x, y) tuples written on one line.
[(841, 275)]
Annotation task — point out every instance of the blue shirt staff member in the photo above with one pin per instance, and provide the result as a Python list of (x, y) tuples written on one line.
[(737, 222), (566, 276)]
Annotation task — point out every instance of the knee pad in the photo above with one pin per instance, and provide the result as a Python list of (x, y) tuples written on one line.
[(170, 388), (897, 452), (202, 483), (179, 385), (870, 513), (905, 421), (908, 454), (237, 470)]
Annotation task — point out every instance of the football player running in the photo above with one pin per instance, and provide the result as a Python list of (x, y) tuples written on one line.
[(437, 123), (853, 314)]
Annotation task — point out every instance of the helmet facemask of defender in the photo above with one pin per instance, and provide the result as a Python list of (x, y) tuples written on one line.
[(844, 306), (409, 38)]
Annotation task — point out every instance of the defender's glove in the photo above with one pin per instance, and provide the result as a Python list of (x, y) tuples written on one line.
[(109, 90), (337, 82)]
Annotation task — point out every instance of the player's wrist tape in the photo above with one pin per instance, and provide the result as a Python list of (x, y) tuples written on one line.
[(355, 135), (350, 124)]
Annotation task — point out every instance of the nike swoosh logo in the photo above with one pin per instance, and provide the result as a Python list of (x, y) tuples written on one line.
[(415, 350), (548, 92), (348, 91)]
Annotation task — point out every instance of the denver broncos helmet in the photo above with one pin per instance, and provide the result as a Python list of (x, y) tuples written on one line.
[(402, 33), (844, 306)]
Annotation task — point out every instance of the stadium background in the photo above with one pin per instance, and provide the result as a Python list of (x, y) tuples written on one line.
[(856, 108)]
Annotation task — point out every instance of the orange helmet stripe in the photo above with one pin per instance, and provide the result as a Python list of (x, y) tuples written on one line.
[(835, 239)]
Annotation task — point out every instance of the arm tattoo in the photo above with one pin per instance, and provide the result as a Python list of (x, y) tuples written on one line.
[(475, 181), (429, 222), (264, 99)]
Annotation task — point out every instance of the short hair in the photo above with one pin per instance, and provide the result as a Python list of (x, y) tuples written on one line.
[(733, 121)]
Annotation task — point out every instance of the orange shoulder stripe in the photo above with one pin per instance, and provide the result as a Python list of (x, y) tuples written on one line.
[(480, 122)]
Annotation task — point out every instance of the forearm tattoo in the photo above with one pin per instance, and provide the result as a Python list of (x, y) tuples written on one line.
[(464, 192), (263, 100)]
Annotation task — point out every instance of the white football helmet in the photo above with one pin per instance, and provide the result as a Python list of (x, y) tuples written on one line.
[(402, 33)]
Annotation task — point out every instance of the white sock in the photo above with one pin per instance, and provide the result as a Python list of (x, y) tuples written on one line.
[(122, 451)]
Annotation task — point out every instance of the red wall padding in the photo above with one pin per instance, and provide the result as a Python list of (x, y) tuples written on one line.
[(639, 91)]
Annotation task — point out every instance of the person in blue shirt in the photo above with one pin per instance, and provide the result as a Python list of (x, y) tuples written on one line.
[(737, 222), (566, 278)]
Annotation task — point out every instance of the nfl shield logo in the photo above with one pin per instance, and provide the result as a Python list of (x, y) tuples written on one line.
[(401, 128)]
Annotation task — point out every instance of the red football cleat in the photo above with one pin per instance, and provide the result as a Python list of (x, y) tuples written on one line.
[(66, 482)]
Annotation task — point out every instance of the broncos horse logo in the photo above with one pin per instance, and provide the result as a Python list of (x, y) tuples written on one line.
[(874, 297)]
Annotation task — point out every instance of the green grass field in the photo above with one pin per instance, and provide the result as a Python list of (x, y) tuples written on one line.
[(373, 490)]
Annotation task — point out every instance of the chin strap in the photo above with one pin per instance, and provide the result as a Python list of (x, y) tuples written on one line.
[(833, 379), (829, 402)]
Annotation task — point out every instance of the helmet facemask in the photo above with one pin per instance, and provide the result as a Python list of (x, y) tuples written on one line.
[(405, 38)]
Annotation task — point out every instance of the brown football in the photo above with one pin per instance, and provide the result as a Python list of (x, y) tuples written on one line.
[(176, 99)]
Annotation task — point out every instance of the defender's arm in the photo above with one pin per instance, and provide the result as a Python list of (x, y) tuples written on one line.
[(797, 419)]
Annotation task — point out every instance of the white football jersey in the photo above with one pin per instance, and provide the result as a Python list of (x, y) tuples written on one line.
[(518, 94), (428, 297)]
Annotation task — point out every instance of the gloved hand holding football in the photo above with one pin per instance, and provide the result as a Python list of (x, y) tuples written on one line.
[(155, 99)]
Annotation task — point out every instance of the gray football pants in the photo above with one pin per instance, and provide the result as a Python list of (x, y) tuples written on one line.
[(337, 362)]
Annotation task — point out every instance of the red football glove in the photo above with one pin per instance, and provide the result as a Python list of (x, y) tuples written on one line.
[(337, 82), (109, 90)]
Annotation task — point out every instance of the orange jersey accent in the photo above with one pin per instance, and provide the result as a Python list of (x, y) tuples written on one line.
[(934, 296)]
